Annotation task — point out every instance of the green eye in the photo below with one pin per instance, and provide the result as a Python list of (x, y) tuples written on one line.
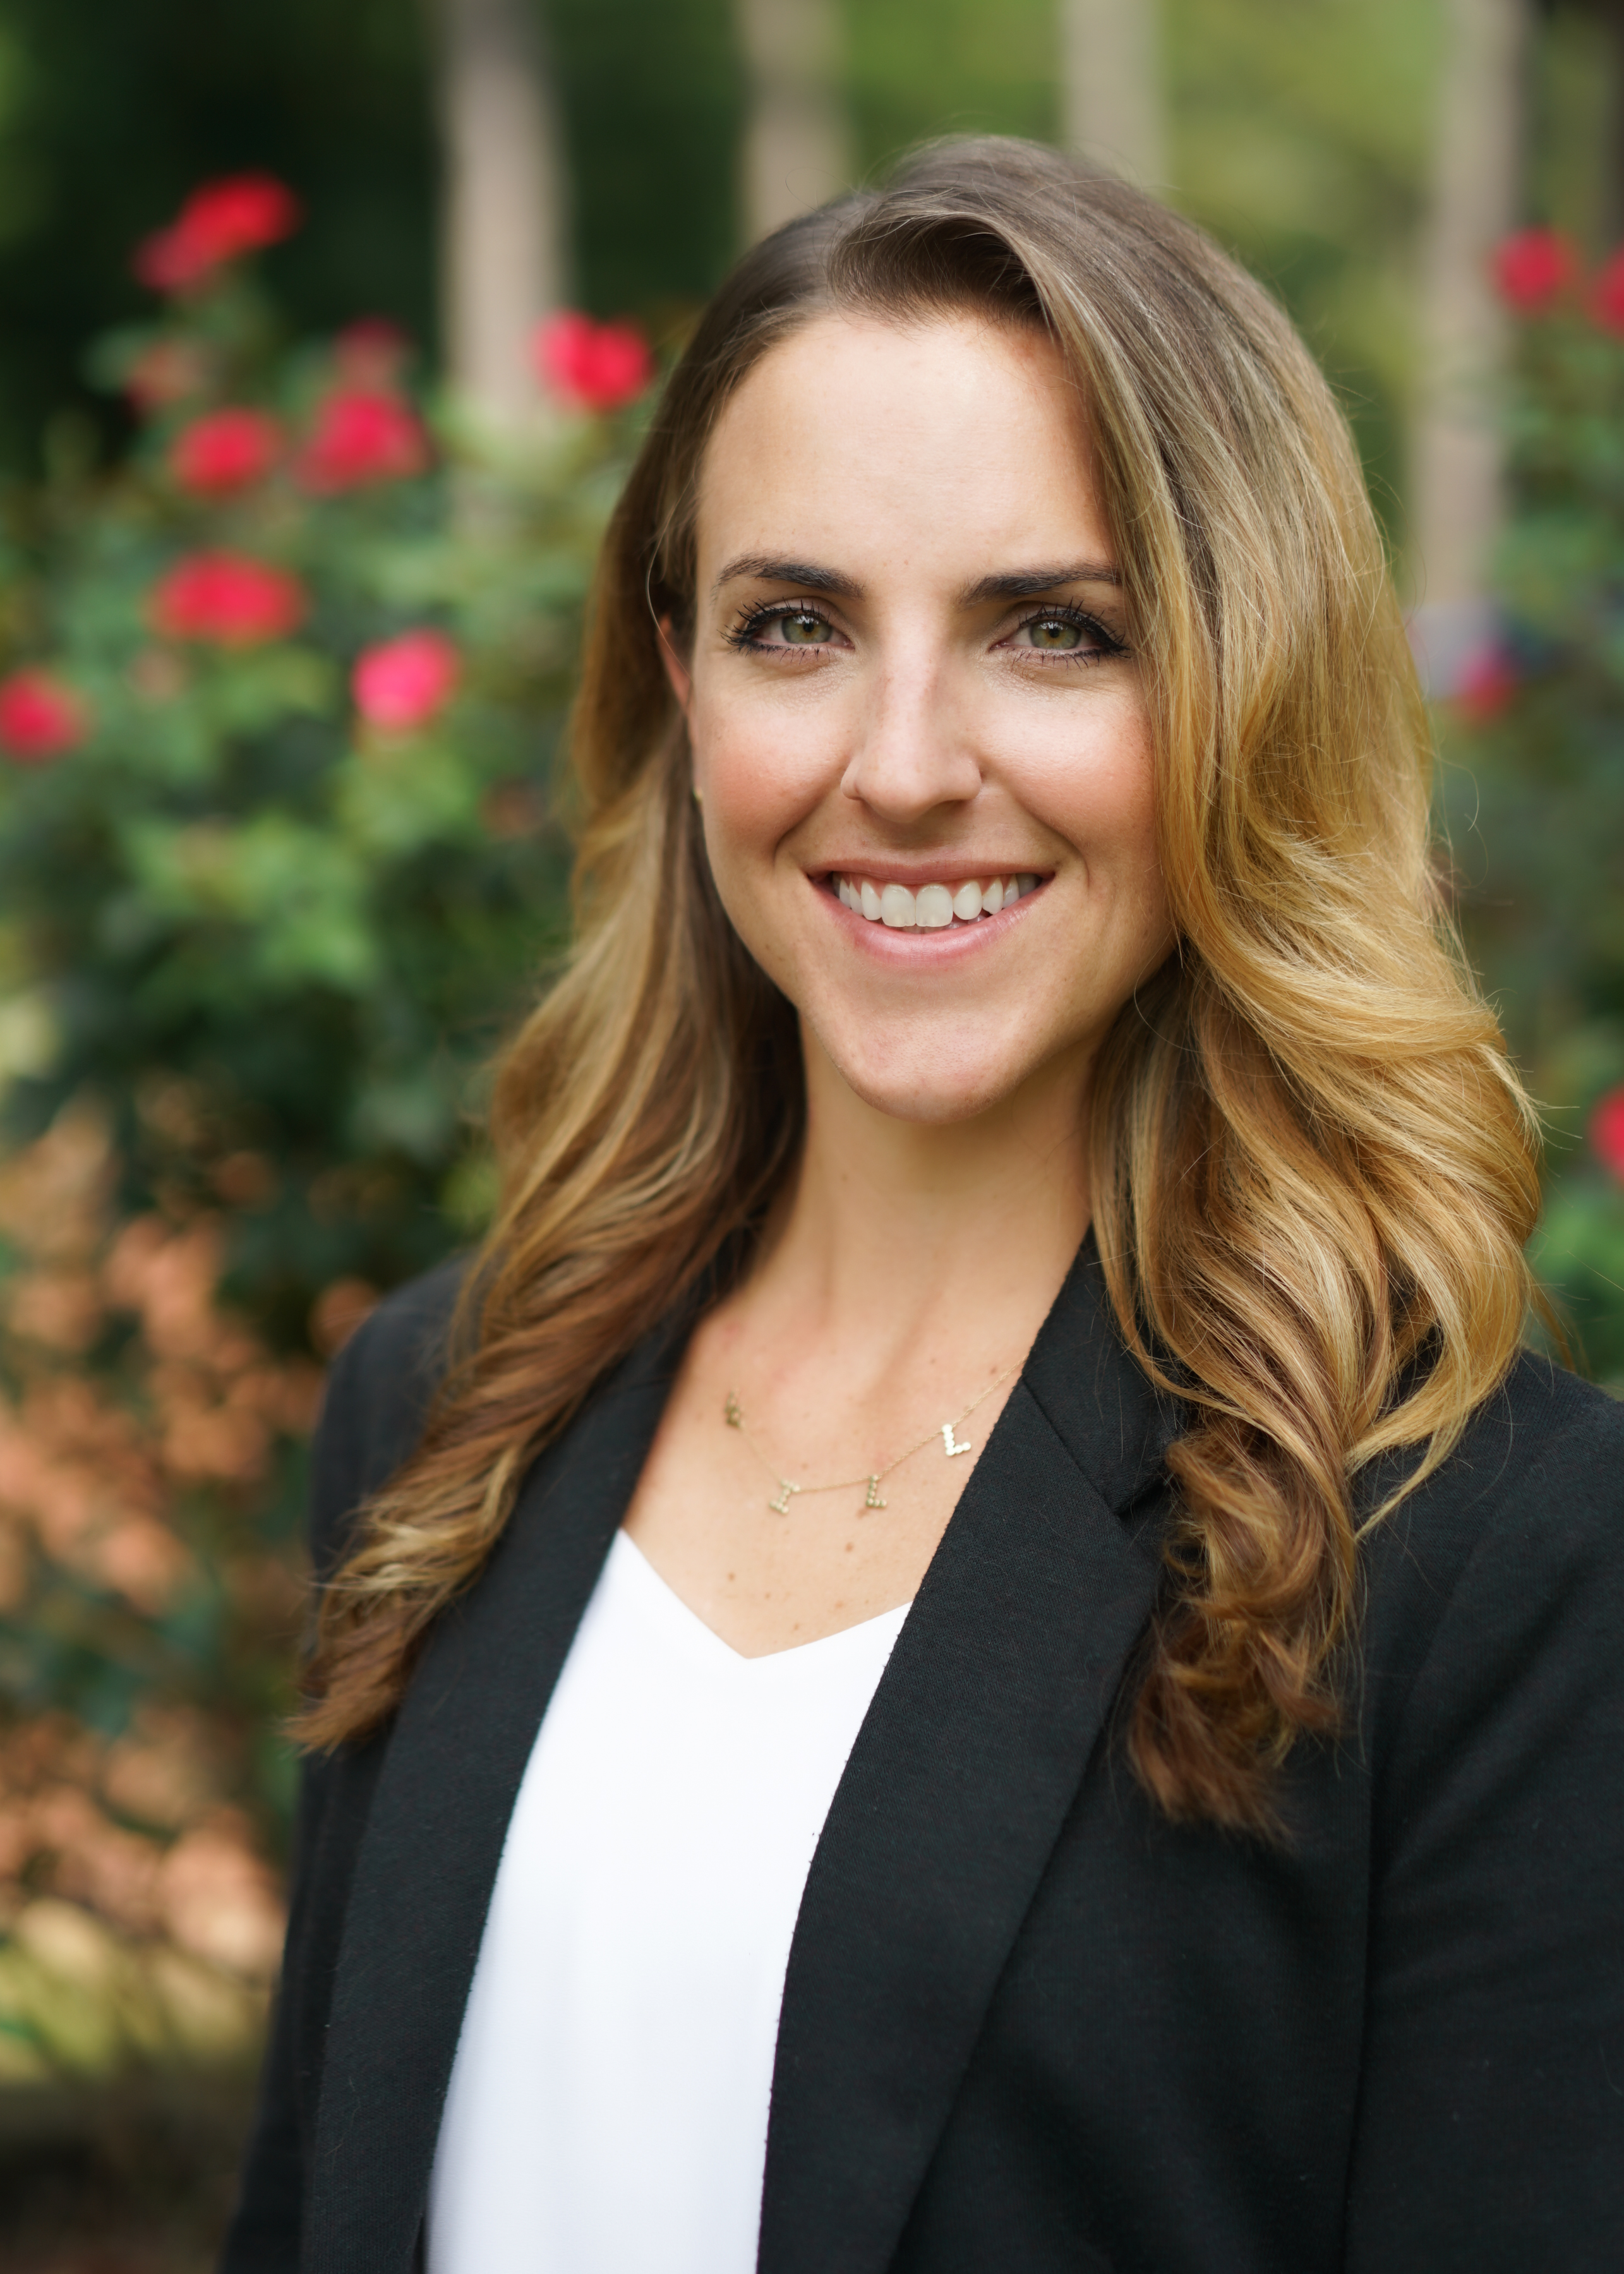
[(1053, 632), (803, 630)]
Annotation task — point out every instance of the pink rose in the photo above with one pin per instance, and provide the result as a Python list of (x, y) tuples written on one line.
[(226, 599), (1607, 1131), (40, 717), (400, 683), (220, 221), (225, 450), (1533, 268), (361, 435), (591, 366)]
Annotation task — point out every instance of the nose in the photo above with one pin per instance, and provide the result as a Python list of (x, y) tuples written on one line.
[(913, 753)]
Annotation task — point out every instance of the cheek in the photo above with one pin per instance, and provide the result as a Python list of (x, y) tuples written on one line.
[(760, 769), (1096, 788)]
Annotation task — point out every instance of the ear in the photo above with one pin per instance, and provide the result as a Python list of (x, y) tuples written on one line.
[(676, 671)]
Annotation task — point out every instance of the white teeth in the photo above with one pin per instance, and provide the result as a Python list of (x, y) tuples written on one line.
[(896, 908), (933, 907)]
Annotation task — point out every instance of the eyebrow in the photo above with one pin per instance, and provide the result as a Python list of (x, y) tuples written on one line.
[(1021, 583), (1011, 584), (805, 573)]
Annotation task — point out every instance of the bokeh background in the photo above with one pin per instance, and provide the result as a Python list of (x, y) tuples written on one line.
[(325, 336)]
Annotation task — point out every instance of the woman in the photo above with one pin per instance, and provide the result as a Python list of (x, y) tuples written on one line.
[(972, 1646)]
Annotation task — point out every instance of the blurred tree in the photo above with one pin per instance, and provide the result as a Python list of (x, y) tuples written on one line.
[(504, 230), (109, 113), (797, 147), (278, 857), (652, 97), (1575, 156), (1477, 192), (923, 67), (1536, 786), (1302, 137), (1112, 99)]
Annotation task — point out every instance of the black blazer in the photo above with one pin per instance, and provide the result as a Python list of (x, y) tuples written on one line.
[(1028, 2024)]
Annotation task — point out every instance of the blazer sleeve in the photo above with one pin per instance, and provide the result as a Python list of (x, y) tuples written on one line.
[(376, 1394), (1490, 2133)]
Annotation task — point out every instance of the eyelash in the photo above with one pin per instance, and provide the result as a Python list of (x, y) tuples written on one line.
[(740, 636)]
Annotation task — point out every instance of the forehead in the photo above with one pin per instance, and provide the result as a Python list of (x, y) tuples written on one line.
[(951, 435)]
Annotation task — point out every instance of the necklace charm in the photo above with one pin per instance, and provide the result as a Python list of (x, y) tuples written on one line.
[(733, 1414)]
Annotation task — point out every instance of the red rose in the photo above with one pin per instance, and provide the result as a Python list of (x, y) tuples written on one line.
[(591, 366), (400, 683), (1533, 268), (40, 717), (362, 434), (220, 221), (1607, 1131), (1487, 683), (1607, 296), (227, 599), (226, 450)]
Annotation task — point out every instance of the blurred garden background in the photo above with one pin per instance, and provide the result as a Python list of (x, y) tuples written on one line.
[(325, 336)]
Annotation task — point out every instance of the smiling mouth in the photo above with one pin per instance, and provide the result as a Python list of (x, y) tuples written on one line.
[(934, 907)]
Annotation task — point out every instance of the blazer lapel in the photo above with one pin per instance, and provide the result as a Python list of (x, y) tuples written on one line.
[(957, 1789), (440, 1816)]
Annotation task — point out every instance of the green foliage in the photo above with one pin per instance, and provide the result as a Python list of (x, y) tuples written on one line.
[(651, 93), (1303, 138), (1535, 796), (263, 915), (959, 68), (109, 114), (300, 933)]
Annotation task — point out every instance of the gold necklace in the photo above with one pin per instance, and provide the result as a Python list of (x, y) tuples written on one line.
[(733, 1413)]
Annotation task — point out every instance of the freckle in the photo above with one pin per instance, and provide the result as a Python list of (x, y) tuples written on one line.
[(730, 1578), (849, 1546)]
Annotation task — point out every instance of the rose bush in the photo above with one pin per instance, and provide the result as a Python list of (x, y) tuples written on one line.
[(225, 450), (279, 700), (1536, 794)]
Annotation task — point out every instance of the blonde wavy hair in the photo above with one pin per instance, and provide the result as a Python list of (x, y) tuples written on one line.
[(1312, 1168)]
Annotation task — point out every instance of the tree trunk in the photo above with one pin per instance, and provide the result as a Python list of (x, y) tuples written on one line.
[(1455, 457), (1110, 80), (797, 144), (503, 230)]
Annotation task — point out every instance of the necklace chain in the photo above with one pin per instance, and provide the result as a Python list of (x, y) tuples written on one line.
[(733, 1413)]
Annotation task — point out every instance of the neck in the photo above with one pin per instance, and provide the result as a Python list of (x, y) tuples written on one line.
[(895, 1233)]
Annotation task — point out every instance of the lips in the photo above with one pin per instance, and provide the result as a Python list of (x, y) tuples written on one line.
[(934, 907)]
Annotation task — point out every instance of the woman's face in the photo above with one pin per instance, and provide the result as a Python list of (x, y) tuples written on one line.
[(921, 742)]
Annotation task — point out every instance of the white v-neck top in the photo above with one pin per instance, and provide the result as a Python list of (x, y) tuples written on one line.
[(607, 2111)]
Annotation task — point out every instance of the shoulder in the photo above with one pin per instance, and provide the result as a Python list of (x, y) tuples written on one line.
[(1538, 1474), (378, 1396), (1495, 1592)]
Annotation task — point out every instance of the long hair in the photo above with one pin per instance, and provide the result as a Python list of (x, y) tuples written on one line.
[(1313, 1170)]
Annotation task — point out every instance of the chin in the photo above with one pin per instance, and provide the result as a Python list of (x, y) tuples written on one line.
[(912, 1085)]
